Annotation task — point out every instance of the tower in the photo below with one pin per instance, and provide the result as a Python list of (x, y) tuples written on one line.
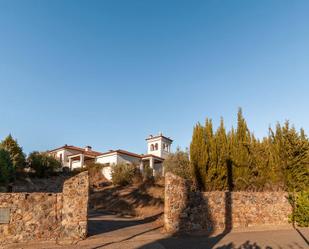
[(159, 145)]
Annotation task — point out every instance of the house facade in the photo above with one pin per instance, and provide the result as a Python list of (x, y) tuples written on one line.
[(73, 157), (158, 148)]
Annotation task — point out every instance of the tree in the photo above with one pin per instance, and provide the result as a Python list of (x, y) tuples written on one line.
[(291, 153), (178, 163), (210, 155), (236, 160), (15, 151), (43, 164), (198, 155), (219, 171), (6, 168)]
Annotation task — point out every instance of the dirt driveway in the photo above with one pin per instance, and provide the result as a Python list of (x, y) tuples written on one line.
[(109, 231)]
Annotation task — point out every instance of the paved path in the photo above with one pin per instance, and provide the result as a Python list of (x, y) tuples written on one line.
[(111, 232)]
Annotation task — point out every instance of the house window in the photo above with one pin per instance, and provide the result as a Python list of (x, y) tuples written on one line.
[(165, 147), (151, 147), (60, 157), (156, 146)]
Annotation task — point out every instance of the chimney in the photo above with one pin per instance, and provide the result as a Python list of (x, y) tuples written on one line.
[(88, 148)]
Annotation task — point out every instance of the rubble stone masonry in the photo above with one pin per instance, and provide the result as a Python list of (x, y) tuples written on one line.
[(47, 216), (187, 211)]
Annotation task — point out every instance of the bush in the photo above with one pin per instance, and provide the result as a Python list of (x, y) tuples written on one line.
[(6, 168), (300, 212), (123, 174), (148, 174), (178, 163), (43, 164)]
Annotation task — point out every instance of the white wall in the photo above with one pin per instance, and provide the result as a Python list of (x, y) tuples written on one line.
[(107, 172), (76, 164), (121, 158), (65, 153), (112, 160)]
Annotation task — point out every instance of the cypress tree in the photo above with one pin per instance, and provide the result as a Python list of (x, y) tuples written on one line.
[(221, 148), (236, 160), (291, 151), (209, 152), (198, 156)]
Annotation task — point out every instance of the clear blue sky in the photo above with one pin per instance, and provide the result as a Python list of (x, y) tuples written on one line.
[(108, 73)]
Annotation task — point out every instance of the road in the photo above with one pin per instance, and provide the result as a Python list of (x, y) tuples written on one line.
[(108, 231)]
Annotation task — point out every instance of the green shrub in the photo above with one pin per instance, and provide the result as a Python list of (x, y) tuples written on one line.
[(123, 174), (43, 164), (178, 163), (300, 205), (6, 168)]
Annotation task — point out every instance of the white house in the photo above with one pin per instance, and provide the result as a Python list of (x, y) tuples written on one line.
[(158, 148), (74, 157)]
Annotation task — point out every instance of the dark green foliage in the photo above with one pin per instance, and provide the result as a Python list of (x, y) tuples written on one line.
[(15, 151), (300, 203), (198, 154), (236, 160), (291, 155), (43, 164), (6, 168), (123, 174), (178, 163)]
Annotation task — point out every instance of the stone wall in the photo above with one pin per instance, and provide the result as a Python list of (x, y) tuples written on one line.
[(75, 207), (187, 211), (47, 216)]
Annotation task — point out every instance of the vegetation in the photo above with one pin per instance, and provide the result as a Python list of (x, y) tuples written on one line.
[(15, 152), (6, 168), (12, 160), (178, 163), (300, 204), (123, 174), (43, 164), (147, 173), (237, 160)]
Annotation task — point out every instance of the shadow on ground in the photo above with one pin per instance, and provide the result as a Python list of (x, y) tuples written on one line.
[(101, 224), (104, 224), (210, 240)]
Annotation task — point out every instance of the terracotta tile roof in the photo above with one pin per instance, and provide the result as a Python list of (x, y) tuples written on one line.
[(82, 150)]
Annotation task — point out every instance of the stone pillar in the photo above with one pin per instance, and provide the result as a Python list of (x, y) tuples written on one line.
[(75, 207), (175, 203)]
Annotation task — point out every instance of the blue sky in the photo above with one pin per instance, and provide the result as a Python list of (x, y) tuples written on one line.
[(109, 73)]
